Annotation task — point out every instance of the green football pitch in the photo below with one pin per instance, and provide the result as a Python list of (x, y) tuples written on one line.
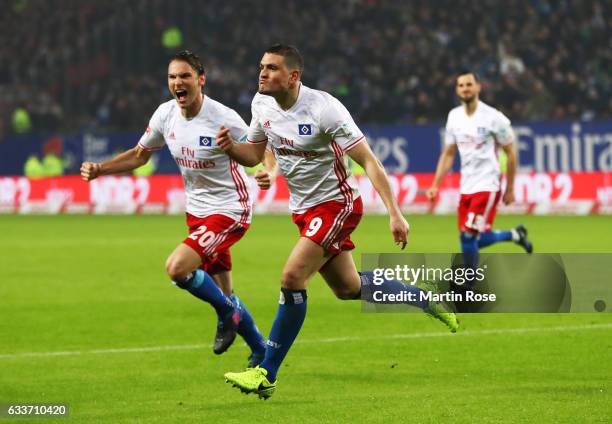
[(89, 319)]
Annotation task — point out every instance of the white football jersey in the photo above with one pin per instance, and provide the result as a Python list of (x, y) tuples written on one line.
[(477, 137), (309, 141), (214, 183)]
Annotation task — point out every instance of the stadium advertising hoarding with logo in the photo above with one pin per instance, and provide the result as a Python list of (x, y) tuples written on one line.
[(542, 147), (564, 167), (539, 193)]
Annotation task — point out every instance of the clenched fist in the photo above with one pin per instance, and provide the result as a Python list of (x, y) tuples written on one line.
[(399, 229), (224, 139), (90, 170), (263, 178), (431, 193)]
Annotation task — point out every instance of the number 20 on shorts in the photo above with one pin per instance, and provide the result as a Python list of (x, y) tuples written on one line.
[(205, 237)]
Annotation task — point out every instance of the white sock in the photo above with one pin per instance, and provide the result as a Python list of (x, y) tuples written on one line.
[(515, 235)]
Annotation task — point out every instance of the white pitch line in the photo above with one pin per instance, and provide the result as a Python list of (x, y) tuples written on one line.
[(97, 351), (524, 330)]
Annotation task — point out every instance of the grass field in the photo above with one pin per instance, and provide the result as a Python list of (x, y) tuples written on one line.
[(88, 318)]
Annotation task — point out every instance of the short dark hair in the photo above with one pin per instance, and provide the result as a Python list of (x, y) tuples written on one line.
[(292, 55), (191, 58), (467, 72)]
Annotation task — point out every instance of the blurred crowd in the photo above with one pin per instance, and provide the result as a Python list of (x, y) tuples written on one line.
[(75, 65)]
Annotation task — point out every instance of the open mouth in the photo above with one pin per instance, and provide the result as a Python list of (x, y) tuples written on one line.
[(181, 95)]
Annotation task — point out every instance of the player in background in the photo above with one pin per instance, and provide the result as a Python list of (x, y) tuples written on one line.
[(218, 199), (477, 130), (310, 133)]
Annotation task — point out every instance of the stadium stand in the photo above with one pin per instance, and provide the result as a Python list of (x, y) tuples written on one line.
[(77, 65)]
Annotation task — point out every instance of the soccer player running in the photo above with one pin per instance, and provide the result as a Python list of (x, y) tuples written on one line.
[(309, 132), (219, 204), (476, 130)]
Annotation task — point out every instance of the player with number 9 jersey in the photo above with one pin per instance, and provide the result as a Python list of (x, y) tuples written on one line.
[(311, 134), (310, 150)]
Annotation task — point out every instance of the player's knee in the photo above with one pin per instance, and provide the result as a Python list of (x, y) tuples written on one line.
[(468, 235), (176, 269), (346, 293), (291, 279)]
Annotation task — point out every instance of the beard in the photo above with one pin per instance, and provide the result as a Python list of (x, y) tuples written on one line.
[(468, 99)]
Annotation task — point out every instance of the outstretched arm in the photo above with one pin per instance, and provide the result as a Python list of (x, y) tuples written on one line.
[(362, 154), (123, 162), (246, 154), (445, 163)]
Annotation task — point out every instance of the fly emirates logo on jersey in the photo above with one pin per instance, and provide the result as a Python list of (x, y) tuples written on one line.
[(469, 142), (287, 149), (188, 159)]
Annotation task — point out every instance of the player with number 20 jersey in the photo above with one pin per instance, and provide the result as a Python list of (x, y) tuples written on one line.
[(218, 201)]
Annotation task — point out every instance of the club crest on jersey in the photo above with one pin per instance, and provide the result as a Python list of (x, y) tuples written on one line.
[(304, 129), (482, 131), (206, 141), (345, 130)]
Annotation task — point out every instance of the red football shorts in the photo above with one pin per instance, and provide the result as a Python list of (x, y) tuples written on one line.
[(329, 224), (477, 211), (211, 237)]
